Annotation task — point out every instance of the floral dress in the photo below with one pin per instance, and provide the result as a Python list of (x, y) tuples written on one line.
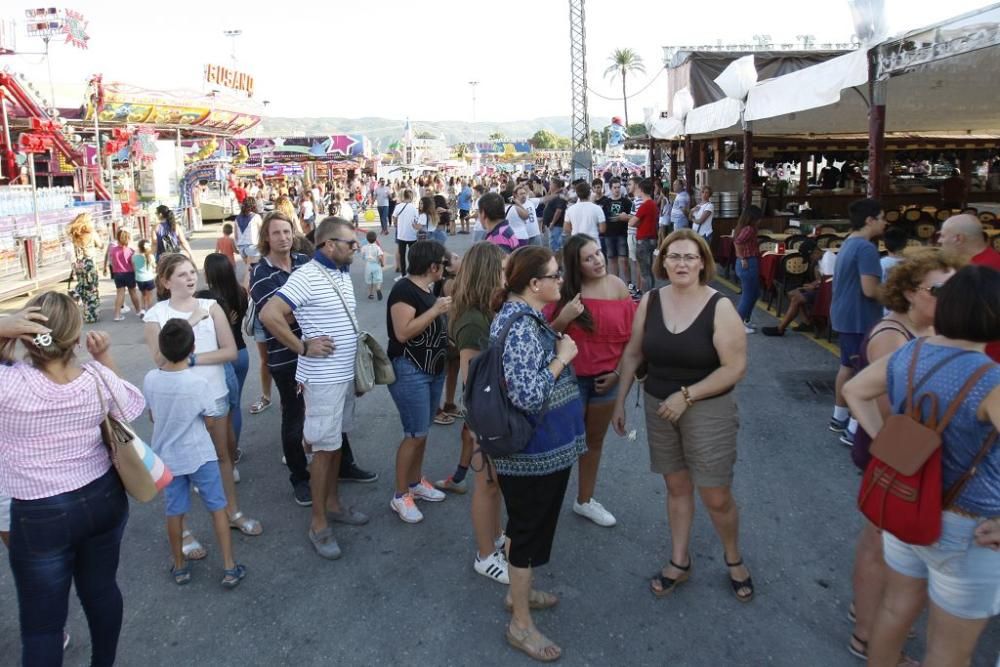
[(87, 280)]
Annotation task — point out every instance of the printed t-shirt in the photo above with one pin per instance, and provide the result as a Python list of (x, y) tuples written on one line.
[(427, 350)]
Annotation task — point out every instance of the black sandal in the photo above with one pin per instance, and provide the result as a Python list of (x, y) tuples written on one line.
[(667, 585), (740, 585)]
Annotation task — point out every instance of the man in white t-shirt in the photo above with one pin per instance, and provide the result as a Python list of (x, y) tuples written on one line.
[(702, 215), (523, 218), (584, 217), (405, 218), (320, 296), (382, 203)]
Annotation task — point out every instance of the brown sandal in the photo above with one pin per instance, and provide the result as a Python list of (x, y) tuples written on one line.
[(537, 600), (667, 585), (521, 642)]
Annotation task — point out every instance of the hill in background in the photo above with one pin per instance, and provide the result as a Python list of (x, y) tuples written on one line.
[(387, 130)]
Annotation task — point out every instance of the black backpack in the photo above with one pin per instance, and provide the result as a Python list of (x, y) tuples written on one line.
[(500, 428)]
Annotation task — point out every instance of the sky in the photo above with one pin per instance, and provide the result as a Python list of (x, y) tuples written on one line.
[(399, 58)]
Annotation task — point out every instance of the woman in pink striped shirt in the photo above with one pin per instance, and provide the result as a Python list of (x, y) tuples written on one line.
[(69, 509)]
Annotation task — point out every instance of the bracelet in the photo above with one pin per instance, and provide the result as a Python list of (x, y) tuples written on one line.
[(617, 372), (687, 396)]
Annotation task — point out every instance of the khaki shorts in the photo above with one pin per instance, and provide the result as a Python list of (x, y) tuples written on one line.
[(329, 413), (703, 442)]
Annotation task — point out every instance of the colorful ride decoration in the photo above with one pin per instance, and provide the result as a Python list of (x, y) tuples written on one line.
[(616, 132)]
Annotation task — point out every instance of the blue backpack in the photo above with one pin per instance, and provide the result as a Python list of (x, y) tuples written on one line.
[(501, 429)]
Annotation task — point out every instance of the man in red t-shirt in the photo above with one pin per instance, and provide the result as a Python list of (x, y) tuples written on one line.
[(645, 221), (963, 235)]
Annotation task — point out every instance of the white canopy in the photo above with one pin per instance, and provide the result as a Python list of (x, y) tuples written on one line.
[(721, 115)]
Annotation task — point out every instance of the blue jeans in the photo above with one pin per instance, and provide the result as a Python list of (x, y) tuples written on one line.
[(417, 396), (236, 377), (555, 239), (69, 538), (383, 216), (750, 284), (644, 254), (439, 235)]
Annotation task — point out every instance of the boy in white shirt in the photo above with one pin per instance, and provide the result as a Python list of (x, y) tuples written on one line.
[(374, 261), (584, 217), (178, 401)]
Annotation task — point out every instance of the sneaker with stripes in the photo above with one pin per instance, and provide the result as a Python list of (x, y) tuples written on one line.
[(493, 567)]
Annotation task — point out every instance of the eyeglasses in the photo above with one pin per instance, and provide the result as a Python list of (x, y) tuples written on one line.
[(687, 259), (552, 276), (934, 290)]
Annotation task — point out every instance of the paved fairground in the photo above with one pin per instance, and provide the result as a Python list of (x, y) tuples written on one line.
[(407, 594)]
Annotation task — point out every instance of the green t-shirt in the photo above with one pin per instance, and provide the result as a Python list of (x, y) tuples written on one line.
[(472, 331)]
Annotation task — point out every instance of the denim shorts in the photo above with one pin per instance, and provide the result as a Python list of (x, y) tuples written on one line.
[(617, 246), (963, 578), (850, 348), (417, 396), (373, 274), (632, 243), (588, 393), (259, 334), (555, 239), (207, 478)]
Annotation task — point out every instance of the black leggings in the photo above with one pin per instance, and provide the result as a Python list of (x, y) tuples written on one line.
[(401, 248)]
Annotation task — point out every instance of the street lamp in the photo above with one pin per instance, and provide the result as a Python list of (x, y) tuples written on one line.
[(233, 34), (473, 84)]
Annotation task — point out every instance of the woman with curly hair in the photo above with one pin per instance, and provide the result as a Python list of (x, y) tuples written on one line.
[(910, 295), (88, 249)]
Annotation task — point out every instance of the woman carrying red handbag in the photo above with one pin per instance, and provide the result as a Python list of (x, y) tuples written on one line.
[(960, 576)]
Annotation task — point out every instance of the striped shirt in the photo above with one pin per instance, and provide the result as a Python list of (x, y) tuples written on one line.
[(50, 434), (268, 279), (319, 312)]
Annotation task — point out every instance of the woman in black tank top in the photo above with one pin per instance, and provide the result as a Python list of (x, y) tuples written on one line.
[(694, 346), (909, 294)]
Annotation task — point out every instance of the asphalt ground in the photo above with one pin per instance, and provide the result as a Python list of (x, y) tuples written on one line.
[(407, 594)]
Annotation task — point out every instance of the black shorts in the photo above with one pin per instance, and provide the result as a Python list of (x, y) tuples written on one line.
[(146, 285), (533, 506), (463, 214), (125, 280)]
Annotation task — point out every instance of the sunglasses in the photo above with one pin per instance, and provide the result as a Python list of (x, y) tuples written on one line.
[(933, 290)]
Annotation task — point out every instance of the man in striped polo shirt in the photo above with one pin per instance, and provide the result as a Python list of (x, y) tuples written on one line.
[(320, 297)]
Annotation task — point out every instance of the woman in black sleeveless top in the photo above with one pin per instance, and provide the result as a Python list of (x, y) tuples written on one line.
[(693, 343), (909, 292)]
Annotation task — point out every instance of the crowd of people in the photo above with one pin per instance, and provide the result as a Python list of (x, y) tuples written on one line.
[(583, 294)]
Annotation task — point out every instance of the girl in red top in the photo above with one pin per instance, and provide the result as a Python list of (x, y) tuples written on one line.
[(596, 311)]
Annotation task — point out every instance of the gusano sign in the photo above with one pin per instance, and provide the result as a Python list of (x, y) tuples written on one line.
[(229, 78)]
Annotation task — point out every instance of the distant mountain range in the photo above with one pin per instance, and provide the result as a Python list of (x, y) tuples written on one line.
[(387, 130)]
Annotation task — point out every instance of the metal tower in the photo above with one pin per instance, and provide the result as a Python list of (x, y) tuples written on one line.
[(583, 158)]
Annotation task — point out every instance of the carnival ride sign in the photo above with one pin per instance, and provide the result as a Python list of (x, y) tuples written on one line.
[(224, 76), (46, 22)]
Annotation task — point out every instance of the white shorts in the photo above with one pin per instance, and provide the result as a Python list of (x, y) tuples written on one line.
[(329, 413), (4, 514), (632, 244), (963, 578)]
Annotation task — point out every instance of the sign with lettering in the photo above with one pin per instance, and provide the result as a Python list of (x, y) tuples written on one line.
[(224, 76)]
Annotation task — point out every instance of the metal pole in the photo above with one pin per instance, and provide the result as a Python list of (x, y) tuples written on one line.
[(876, 129), (748, 166), (48, 62)]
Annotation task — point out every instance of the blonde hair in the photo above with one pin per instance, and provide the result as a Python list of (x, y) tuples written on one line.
[(81, 229), (477, 281), (165, 270), (908, 274), (65, 322)]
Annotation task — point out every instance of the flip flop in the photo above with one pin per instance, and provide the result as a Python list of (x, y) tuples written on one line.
[(191, 547)]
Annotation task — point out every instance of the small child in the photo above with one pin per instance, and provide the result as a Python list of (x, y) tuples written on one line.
[(144, 263), (226, 245), (177, 406), (120, 258), (374, 261)]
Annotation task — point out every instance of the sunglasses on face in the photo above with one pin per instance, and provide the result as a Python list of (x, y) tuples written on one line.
[(934, 290), (352, 243)]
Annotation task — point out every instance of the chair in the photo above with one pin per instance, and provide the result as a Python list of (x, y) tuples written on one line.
[(995, 242), (835, 243), (823, 240), (943, 214), (820, 311), (792, 230), (912, 214), (892, 215), (793, 273), (987, 217), (794, 241), (926, 231), (826, 229), (767, 246)]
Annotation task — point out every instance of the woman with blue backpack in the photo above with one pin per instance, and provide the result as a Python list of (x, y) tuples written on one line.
[(540, 383)]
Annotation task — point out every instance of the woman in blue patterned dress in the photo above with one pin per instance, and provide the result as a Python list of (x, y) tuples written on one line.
[(533, 481)]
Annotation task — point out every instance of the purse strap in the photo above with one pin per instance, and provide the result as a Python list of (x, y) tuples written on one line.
[(336, 288), (99, 379), (963, 392), (956, 489)]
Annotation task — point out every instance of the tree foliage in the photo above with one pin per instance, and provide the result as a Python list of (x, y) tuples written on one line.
[(623, 62)]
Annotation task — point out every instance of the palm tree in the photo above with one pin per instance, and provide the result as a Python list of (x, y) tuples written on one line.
[(624, 61)]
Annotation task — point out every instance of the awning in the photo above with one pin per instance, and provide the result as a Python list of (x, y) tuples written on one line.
[(709, 118)]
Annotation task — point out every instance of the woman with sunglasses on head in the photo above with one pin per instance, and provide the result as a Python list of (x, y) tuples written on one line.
[(418, 344), (957, 577), (69, 508), (540, 382), (692, 340), (910, 295), (596, 309)]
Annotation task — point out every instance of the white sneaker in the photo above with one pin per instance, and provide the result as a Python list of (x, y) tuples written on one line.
[(494, 567), (749, 329), (236, 475), (125, 308), (426, 491), (594, 511), (406, 509), (500, 542)]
